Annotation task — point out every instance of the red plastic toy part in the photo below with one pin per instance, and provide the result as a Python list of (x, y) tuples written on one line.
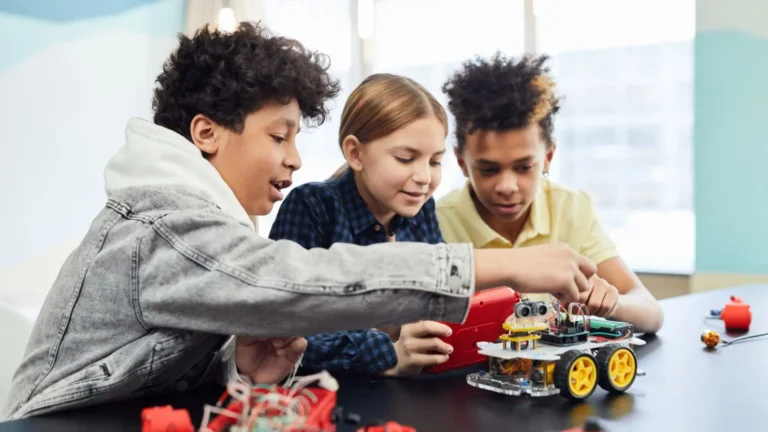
[(736, 315), (320, 417), (165, 419), (387, 427), (487, 313)]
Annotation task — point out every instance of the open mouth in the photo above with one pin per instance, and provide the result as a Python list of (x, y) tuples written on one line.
[(277, 187), (281, 184)]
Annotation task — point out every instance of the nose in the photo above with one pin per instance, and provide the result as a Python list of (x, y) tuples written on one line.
[(422, 174), (292, 158), (507, 184)]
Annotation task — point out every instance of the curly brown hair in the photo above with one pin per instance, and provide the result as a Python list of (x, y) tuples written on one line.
[(500, 94), (226, 76)]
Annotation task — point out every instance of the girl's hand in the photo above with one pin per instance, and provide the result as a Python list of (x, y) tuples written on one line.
[(419, 346)]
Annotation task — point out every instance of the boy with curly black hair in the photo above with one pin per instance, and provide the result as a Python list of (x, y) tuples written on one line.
[(172, 267), (504, 111)]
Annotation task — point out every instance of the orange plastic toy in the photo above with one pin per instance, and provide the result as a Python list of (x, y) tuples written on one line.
[(710, 338), (165, 419), (736, 315)]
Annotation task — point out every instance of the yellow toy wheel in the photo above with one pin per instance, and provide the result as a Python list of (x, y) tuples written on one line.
[(618, 368), (576, 375)]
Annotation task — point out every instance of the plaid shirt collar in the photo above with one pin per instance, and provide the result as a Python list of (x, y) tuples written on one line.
[(361, 217)]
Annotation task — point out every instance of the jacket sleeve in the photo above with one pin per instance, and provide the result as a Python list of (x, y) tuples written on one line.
[(201, 270)]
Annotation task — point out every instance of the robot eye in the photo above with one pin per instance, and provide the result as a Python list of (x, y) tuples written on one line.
[(539, 308), (522, 310)]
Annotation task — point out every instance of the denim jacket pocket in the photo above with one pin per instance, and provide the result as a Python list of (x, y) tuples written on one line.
[(182, 361), (88, 377), (81, 386)]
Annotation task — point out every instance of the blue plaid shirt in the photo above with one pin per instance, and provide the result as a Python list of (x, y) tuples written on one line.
[(323, 213)]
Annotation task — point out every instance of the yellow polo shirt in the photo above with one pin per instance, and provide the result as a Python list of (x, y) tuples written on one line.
[(558, 214)]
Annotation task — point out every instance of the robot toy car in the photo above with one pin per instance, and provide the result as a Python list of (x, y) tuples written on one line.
[(550, 348)]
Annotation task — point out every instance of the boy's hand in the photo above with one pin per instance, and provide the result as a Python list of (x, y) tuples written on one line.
[(552, 268), (268, 361), (419, 346), (602, 299)]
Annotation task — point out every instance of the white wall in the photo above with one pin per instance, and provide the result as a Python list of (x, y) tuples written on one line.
[(68, 83)]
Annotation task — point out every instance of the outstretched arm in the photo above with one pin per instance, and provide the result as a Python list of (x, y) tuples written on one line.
[(636, 304), (226, 279)]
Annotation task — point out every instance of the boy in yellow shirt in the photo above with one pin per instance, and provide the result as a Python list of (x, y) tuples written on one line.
[(504, 113)]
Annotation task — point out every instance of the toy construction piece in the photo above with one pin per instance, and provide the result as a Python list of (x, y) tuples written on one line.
[(712, 338), (389, 426), (576, 374), (618, 368), (522, 326), (165, 418), (521, 332), (736, 315), (566, 352)]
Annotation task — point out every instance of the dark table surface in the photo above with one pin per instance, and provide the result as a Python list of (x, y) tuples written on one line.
[(687, 388)]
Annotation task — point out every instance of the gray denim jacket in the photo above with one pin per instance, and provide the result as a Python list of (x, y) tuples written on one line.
[(161, 279), (164, 277)]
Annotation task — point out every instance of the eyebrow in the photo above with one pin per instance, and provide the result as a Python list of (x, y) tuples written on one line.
[(285, 121), (517, 161), (413, 150)]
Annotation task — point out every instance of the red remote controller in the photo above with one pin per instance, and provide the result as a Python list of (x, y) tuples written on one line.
[(487, 313)]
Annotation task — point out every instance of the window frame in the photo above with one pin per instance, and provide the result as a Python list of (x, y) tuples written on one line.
[(362, 64)]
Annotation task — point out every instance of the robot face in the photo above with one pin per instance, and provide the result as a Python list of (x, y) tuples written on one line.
[(523, 309), (528, 308), (539, 308)]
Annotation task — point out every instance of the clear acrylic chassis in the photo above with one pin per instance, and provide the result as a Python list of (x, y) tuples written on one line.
[(516, 385)]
